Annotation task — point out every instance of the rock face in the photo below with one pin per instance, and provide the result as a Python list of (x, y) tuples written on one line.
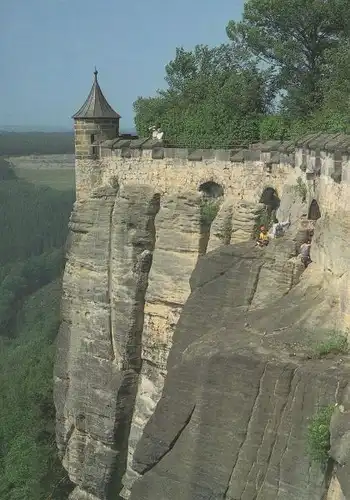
[(109, 257), (129, 260), (240, 382), (232, 420)]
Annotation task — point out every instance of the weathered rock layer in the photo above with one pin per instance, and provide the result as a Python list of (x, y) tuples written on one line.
[(99, 350), (241, 387)]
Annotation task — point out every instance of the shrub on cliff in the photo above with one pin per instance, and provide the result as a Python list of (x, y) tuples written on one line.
[(274, 127), (208, 210), (335, 344), (318, 437)]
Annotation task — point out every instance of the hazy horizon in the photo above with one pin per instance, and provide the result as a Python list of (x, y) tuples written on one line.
[(49, 50), (49, 128)]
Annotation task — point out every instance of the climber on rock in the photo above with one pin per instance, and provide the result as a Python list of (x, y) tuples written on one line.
[(305, 253), (263, 239)]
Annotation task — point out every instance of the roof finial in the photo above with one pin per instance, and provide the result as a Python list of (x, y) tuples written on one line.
[(95, 73)]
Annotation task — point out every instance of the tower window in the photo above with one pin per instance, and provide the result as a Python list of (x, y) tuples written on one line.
[(92, 138)]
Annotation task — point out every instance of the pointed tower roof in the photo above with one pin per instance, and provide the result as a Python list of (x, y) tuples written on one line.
[(96, 105)]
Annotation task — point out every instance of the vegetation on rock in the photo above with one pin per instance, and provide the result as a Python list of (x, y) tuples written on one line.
[(318, 436), (335, 344), (301, 189), (208, 210)]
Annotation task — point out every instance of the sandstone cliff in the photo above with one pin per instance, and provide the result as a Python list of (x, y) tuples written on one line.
[(241, 387), (241, 381)]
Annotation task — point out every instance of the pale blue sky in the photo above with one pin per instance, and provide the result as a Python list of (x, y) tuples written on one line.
[(48, 49)]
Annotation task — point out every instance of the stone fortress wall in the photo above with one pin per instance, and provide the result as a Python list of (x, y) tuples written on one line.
[(173, 169)]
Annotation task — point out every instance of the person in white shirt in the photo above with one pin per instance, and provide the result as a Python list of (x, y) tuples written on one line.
[(278, 228)]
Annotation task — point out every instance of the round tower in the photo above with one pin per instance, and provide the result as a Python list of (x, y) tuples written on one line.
[(95, 122)]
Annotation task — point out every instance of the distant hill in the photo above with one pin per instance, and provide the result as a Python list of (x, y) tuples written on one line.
[(33, 128), (27, 143), (38, 142), (48, 128)]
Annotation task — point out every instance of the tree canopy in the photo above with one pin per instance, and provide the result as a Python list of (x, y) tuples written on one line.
[(292, 38), (214, 97), (283, 72)]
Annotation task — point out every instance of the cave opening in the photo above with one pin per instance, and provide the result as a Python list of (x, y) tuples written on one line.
[(211, 189), (314, 211), (270, 199), (212, 195)]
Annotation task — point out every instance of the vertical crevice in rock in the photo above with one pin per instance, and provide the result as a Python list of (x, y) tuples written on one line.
[(109, 291), (203, 240), (178, 227), (132, 245), (208, 209)]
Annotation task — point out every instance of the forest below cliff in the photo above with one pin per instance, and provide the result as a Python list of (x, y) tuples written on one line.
[(34, 227), (284, 72)]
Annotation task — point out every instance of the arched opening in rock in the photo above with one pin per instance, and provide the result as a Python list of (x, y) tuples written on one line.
[(270, 198), (211, 198), (314, 211), (211, 189)]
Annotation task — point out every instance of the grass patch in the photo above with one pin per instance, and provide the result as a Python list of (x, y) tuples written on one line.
[(318, 435), (208, 210), (301, 189), (56, 178), (336, 344)]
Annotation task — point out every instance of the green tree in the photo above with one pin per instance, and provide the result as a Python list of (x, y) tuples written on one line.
[(274, 127), (292, 38), (215, 97)]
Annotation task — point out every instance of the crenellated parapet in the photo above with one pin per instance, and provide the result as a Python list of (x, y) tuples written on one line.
[(326, 155), (270, 151), (145, 160)]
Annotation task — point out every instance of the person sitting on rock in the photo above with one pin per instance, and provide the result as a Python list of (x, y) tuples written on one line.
[(263, 239), (305, 253)]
